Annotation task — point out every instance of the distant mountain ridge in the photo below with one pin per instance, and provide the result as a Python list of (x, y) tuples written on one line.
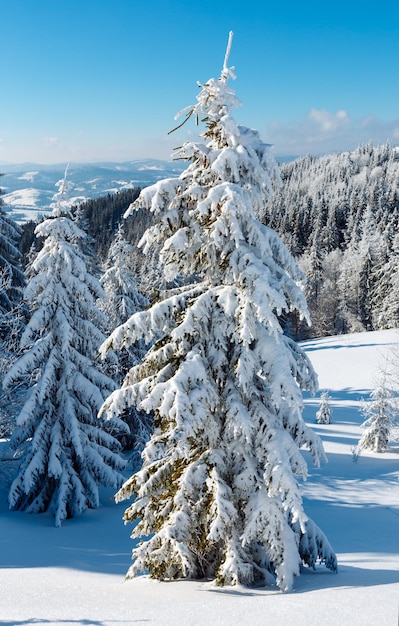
[(28, 188)]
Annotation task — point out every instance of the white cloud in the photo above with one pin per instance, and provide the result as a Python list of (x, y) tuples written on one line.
[(322, 131), (327, 122), (51, 142)]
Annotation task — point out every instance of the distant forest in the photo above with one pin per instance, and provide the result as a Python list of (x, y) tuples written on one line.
[(100, 219), (338, 215)]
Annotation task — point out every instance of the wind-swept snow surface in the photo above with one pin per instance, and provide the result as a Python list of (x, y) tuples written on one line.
[(74, 575)]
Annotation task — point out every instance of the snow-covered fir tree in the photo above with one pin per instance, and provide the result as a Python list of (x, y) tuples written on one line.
[(119, 283), (380, 413), (218, 493), (12, 324), (66, 452), (324, 413), (12, 278), (121, 302), (13, 313), (314, 267), (386, 294)]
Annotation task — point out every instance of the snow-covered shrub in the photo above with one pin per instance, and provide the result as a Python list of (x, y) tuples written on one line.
[(324, 413)]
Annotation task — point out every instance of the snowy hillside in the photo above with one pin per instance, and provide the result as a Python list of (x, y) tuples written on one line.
[(28, 188), (75, 574)]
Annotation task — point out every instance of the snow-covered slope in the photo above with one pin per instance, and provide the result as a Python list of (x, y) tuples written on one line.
[(28, 188), (75, 574)]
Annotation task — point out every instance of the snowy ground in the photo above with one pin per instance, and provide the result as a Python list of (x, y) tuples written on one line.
[(75, 574)]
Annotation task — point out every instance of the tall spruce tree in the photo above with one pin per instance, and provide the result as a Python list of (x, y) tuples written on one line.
[(66, 452), (119, 283), (218, 493), (123, 300), (12, 312), (386, 293)]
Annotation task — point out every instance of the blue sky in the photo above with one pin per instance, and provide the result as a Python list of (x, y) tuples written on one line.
[(98, 80)]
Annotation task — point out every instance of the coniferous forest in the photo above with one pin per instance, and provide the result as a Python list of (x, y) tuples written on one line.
[(338, 215)]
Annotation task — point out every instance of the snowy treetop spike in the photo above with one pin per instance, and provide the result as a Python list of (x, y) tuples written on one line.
[(228, 71), (63, 187)]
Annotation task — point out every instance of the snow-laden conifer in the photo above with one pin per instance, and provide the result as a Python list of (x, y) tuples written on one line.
[(12, 278), (12, 312), (386, 296), (324, 413), (122, 300), (119, 283), (218, 494), (380, 413), (66, 452)]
